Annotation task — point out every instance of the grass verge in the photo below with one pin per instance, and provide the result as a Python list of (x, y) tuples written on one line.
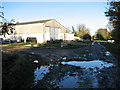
[(114, 48), (16, 44)]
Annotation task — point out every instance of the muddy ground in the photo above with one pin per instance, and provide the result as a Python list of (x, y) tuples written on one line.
[(50, 73)]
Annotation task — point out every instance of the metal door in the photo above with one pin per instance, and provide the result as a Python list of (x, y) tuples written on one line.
[(54, 32)]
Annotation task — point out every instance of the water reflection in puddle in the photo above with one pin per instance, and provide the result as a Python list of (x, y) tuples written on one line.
[(68, 76), (40, 72), (79, 80), (93, 43), (89, 64), (107, 53), (69, 81)]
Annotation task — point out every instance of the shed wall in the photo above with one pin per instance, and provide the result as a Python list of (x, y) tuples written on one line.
[(29, 28)]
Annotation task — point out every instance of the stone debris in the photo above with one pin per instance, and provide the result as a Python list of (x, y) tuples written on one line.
[(35, 61)]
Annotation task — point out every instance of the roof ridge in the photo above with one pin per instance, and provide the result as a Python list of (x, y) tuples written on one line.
[(38, 21)]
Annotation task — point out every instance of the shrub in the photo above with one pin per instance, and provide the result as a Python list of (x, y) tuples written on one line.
[(32, 44), (87, 36), (39, 44), (17, 72)]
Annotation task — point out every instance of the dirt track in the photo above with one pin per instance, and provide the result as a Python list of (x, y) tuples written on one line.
[(60, 75), (12, 48)]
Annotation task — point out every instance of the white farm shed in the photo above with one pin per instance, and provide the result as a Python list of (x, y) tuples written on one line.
[(44, 30)]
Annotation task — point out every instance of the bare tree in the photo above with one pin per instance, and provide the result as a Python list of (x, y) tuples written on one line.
[(82, 30)]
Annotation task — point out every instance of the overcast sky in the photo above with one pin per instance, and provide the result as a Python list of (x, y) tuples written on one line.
[(67, 13)]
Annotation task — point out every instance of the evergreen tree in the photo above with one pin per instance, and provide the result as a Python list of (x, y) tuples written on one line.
[(75, 33)]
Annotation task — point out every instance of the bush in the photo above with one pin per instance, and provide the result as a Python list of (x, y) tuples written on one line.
[(39, 44), (86, 37), (32, 44), (17, 72)]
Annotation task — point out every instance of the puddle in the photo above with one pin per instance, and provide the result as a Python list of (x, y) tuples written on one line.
[(78, 80), (89, 64), (40, 72), (69, 81), (93, 43), (107, 53), (69, 76)]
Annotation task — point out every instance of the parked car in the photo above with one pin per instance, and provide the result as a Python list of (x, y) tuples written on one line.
[(31, 39), (13, 41), (6, 41)]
